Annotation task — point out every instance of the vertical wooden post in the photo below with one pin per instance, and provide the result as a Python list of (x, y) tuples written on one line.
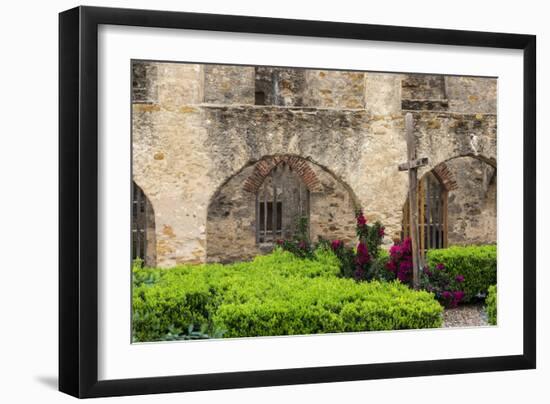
[(421, 222), (413, 199), (265, 211), (274, 206)]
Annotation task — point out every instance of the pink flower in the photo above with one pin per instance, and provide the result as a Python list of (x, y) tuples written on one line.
[(336, 244), (446, 295), (459, 278), (363, 256), (361, 220), (440, 267), (381, 232), (390, 266), (458, 295)]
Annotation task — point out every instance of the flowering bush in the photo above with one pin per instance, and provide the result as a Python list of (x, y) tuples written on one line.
[(360, 263), (370, 235), (446, 286), (400, 263), (368, 248), (300, 244), (477, 263)]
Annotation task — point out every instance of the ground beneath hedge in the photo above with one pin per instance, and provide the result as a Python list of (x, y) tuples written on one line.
[(468, 315)]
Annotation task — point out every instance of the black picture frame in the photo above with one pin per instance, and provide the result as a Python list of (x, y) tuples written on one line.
[(78, 201)]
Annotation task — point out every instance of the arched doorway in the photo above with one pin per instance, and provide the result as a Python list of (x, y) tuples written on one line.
[(282, 201), (432, 214), (456, 204), (266, 201), (143, 227)]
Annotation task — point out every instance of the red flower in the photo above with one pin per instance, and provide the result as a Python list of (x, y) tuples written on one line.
[(361, 220), (363, 256)]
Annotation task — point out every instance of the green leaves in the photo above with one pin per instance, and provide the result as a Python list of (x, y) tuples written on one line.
[(491, 305), (478, 264), (277, 294)]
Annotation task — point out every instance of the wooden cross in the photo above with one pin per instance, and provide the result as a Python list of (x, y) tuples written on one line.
[(412, 166)]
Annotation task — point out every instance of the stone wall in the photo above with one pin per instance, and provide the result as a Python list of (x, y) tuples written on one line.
[(231, 220), (472, 204), (228, 84), (201, 130)]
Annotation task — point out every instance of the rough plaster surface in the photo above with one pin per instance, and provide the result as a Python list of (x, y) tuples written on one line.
[(202, 132)]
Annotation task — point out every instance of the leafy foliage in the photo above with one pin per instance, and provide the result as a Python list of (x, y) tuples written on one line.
[(276, 294), (446, 287), (361, 263), (478, 265), (300, 244), (400, 263), (491, 304)]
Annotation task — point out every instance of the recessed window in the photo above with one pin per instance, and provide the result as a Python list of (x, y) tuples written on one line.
[(281, 202), (259, 98)]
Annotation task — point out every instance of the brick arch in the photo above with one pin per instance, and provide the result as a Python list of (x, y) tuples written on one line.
[(445, 176), (299, 165)]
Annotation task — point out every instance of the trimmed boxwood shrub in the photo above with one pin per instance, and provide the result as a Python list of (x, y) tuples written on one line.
[(491, 305), (276, 294), (478, 265)]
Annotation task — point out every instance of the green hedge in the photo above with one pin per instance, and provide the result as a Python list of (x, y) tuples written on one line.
[(478, 264), (491, 304), (276, 294)]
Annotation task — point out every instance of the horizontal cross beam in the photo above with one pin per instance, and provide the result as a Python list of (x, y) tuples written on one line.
[(422, 161)]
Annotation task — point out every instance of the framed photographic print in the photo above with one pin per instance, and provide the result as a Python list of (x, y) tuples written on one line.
[(251, 201)]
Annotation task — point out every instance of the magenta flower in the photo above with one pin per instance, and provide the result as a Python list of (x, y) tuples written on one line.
[(402, 276), (279, 242), (446, 295), (361, 220), (302, 245), (396, 251), (391, 266), (381, 232), (458, 295), (427, 272), (440, 267), (363, 256), (459, 278), (336, 244)]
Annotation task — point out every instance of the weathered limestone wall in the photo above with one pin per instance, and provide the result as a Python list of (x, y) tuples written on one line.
[(360, 151), (200, 127), (383, 93), (334, 89), (332, 209), (230, 225), (228, 84), (283, 87), (471, 95), (472, 205)]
